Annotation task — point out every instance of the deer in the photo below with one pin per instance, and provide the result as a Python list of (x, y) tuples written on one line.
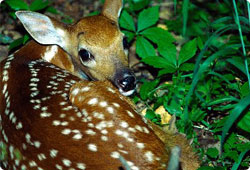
[(52, 117)]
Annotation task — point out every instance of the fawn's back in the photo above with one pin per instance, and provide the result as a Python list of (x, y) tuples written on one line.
[(52, 120)]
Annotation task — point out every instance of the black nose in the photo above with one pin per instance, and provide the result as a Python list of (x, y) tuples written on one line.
[(127, 83)]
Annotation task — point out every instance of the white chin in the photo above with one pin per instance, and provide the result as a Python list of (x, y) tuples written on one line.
[(127, 93)]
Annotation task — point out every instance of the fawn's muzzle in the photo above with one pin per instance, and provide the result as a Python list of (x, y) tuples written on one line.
[(125, 81)]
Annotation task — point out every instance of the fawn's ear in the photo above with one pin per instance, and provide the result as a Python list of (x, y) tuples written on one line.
[(112, 9), (43, 29)]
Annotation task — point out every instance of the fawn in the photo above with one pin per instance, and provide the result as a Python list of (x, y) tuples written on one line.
[(52, 118)]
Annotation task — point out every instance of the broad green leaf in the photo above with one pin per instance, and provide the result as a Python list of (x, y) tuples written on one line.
[(166, 71), (147, 87), (136, 5), (158, 35), (17, 4), (130, 35), (238, 63), (148, 17), (187, 67), (157, 62), (168, 51), (37, 5), (144, 48), (244, 89), (126, 21), (187, 51), (244, 122), (200, 43), (212, 152), (150, 114)]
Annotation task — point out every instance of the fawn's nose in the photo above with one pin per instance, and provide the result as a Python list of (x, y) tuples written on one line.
[(125, 81)]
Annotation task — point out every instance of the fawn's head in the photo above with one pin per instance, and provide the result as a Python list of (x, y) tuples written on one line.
[(95, 44)]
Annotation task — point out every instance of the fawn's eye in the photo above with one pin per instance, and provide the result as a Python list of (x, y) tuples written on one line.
[(125, 43), (85, 56)]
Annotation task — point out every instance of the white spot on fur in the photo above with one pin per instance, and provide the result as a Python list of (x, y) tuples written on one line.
[(130, 114), (66, 131), (81, 166), (93, 101), (124, 124), (149, 156), (50, 53), (92, 147), (115, 155), (53, 153), (66, 162)]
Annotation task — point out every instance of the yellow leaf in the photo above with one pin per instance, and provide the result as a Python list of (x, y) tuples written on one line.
[(165, 116)]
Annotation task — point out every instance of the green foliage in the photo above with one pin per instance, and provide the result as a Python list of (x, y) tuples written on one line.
[(202, 76)]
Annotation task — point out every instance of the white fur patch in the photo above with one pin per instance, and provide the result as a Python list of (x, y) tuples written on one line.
[(50, 53)]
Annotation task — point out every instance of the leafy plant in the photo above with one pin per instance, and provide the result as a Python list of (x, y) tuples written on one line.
[(202, 77)]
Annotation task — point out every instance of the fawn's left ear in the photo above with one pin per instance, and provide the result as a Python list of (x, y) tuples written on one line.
[(43, 29), (112, 9)]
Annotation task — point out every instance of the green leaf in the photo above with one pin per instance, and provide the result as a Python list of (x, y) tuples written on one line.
[(240, 158), (244, 122), (236, 112), (238, 63), (224, 99), (200, 43), (19, 42), (212, 152), (244, 89), (147, 87), (187, 51), (148, 17), (187, 67), (166, 71), (52, 10), (144, 48), (150, 114), (136, 5), (185, 6), (17, 4), (93, 13), (168, 51), (197, 115), (37, 5), (157, 62), (126, 21), (158, 35), (130, 35)]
